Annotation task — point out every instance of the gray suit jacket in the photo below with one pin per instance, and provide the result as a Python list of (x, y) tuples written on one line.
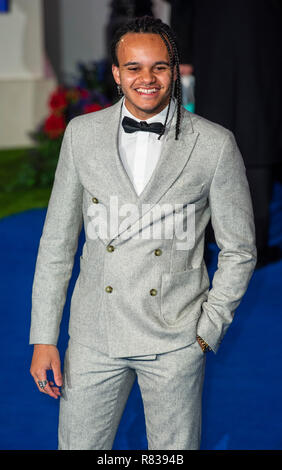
[(144, 295)]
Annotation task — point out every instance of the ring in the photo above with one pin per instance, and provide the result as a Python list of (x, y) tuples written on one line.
[(42, 383)]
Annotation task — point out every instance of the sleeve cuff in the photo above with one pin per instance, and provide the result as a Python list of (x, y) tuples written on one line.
[(209, 332)]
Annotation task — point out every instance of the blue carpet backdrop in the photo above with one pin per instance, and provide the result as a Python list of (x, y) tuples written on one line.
[(243, 384)]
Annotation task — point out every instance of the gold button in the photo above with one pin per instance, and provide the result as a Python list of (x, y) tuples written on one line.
[(153, 291), (158, 252), (95, 200), (110, 248), (109, 289)]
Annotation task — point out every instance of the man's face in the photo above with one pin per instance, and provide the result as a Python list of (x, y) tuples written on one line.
[(143, 73)]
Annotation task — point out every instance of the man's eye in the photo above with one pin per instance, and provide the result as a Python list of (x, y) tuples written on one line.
[(160, 68), (133, 68)]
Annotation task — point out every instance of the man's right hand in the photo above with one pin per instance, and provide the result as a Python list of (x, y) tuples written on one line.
[(46, 357)]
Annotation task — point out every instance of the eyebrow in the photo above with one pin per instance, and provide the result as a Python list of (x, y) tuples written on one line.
[(160, 62)]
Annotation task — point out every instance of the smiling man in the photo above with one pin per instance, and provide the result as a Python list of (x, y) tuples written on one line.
[(145, 77), (141, 307)]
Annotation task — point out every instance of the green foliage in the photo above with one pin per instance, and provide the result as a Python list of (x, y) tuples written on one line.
[(16, 198), (38, 166)]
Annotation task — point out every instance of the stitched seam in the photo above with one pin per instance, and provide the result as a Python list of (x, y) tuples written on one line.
[(71, 149)]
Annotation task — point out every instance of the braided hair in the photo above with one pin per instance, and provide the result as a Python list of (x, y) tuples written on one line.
[(148, 24)]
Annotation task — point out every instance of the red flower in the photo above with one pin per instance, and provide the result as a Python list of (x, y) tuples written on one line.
[(58, 100), (54, 126), (90, 108), (72, 95), (84, 93)]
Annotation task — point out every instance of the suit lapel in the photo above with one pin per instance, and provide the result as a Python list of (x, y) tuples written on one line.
[(106, 141), (174, 156)]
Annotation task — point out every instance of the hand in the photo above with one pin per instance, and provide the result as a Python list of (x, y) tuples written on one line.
[(186, 69), (46, 357)]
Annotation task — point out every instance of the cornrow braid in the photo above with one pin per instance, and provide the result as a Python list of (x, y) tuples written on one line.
[(171, 83), (148, 24)]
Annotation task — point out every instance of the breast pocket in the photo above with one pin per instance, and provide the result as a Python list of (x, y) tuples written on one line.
[(183, 192), (182, 294)]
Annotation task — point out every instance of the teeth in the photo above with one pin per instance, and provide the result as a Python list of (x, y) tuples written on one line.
[(145, 90)]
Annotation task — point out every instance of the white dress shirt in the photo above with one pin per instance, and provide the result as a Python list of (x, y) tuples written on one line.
[(140, 151)]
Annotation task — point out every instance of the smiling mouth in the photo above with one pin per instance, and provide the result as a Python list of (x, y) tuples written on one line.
[(147, 91)]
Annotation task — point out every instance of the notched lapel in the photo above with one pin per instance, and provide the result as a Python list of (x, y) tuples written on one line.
[(174, 156), (116, 181), (110, 177)]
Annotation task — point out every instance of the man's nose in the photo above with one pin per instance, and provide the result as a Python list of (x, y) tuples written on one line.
[(148, 76)]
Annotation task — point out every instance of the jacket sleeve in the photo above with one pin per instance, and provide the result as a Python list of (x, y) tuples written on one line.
[(57, 247), (233, 223)]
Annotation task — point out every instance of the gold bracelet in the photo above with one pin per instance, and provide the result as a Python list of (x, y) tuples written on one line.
[(204, 345)]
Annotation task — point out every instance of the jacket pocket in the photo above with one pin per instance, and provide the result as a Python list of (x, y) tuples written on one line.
[(182, 294)]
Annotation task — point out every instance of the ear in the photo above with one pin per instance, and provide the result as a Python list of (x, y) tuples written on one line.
[(115, 72)]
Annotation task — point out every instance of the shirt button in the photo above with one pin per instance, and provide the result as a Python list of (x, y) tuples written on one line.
[(95, 200), (158, 252), (110, 248), (109, 289), (153, 291)]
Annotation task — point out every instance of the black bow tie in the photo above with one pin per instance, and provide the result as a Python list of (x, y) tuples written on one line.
[(130, 125)]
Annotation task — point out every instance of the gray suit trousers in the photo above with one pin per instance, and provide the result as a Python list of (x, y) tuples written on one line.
[(96, 388)]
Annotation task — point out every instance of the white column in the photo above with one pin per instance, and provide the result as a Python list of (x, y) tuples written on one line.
[(25, 83)]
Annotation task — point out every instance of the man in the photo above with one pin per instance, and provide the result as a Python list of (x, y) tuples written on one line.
[(141, 304)]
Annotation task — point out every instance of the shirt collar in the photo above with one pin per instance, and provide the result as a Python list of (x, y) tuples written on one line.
[(160, 117)]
